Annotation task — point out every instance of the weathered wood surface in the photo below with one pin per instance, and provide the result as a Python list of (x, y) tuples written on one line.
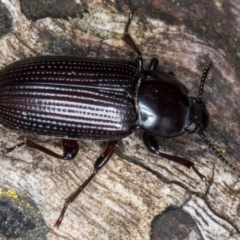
[(135, 186)]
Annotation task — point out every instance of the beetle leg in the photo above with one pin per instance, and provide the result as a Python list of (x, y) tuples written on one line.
[(70, 149), (128, 39), (10, 149), (152, 144), (153, 64), (171, 73), (100, 162)]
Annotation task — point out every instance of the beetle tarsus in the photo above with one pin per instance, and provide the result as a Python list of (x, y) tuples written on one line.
[(128, 40), (130, 17), (59, 221), (10, 149), (203, 178)]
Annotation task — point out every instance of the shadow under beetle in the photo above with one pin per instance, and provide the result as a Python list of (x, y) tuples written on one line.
[(76, 98)]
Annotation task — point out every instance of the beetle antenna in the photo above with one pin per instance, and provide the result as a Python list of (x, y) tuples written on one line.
[(216, 152), (204, 76)]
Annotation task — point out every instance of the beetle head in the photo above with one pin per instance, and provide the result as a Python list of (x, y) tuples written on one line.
[(198, 118)]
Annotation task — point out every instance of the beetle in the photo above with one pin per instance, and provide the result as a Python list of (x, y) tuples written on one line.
[(74, 98)]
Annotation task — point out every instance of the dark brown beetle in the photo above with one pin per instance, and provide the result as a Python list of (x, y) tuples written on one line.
[(75, 98)]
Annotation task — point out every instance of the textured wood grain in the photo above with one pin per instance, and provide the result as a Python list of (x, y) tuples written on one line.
[(135, 186)]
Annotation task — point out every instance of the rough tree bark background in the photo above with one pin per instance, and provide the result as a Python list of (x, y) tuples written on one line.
[(137, 195)]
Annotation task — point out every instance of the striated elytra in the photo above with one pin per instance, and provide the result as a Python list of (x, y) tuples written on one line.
[(75, 98)]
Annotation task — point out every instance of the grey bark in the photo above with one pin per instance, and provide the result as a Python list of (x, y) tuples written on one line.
[(137, 195)]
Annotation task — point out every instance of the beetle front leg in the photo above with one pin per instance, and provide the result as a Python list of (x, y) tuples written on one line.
[(100, 162), (152, 144)]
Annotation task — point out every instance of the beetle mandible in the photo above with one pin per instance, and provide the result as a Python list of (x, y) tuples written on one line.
[(75, 98)]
